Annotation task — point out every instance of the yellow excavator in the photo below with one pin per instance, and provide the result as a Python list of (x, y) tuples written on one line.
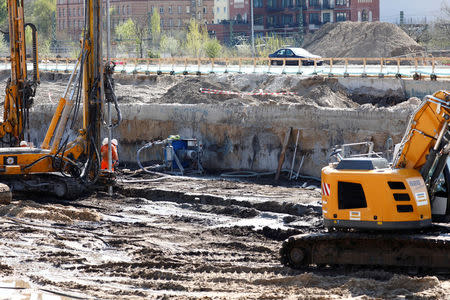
[(387, 214), (66, 162)]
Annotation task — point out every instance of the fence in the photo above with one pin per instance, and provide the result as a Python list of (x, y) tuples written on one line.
[(416, 68)]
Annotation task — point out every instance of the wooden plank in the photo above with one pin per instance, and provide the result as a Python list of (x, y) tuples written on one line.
[(283, 153)]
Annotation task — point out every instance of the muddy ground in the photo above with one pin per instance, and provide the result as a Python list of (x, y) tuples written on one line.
[(183, 238)]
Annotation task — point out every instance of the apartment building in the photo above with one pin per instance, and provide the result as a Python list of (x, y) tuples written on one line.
[(174, 14), (221, 11)]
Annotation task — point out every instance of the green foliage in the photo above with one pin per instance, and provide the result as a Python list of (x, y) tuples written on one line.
[(132, 33), (213, 48), (43, 14), (3, 14), (169, 44), (155, 26), (195, 39), (153, 54), (4, 47)]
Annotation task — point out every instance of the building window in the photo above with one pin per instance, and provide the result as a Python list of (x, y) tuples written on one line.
[(179, 22), (286, 3), (161, 10), (271, 20), (188, 9), (341, 17), (364, 15), (259, 20), (204, 10), (199, 3), (218, 10), (258, 3), (287, 19), (326, 18), (364, 1), (170, 9), (314, 18), (341, 2), (179, 9), (224, 9), (314, 3)]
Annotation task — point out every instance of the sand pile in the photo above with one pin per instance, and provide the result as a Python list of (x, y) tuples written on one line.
[(352, 39), (56, 213)]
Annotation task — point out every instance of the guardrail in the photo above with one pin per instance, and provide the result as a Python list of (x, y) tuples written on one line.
[(416, 68)]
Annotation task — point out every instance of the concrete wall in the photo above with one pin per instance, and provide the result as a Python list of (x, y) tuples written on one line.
[(248, 138)]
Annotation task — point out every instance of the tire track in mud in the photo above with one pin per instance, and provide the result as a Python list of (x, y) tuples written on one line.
[(185, 248)]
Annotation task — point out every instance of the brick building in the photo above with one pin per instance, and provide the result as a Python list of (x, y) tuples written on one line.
[(365, 10), (286, 16), (270, 16), (175, 14)]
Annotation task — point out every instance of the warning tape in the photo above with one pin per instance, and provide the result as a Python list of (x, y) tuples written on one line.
[(260, 93)]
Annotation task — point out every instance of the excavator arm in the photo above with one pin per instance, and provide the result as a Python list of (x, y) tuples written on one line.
[(425, 145)]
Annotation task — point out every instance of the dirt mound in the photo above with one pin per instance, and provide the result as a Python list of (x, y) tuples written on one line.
[(367, 39), (56, 213), (315, 91)]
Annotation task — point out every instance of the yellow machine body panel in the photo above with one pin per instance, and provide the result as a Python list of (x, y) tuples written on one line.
[(374, 199), (425, 127)]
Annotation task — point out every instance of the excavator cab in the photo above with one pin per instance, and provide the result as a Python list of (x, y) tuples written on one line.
[(370, 193)]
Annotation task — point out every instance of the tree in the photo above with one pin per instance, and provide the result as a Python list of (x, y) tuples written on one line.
[(212, 48), (155, 26), (195, 38), (133, 33), (418, 32), (169, 44), (3, 15), (43, 15)]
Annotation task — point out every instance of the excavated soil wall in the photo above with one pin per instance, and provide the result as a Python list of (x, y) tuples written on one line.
[(246, 133), (249, 138)]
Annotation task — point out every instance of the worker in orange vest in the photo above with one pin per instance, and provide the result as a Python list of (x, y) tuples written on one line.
[(104, 153)]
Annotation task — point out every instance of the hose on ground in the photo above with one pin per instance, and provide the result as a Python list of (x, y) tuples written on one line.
[(147, 146)]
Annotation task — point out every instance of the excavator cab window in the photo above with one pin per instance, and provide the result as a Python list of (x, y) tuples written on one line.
[(351, 195), (440, 203)]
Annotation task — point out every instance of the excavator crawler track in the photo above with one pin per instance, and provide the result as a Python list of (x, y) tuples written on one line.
[(428, 251)]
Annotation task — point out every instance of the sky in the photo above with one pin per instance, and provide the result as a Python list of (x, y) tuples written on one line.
[(417, 10)]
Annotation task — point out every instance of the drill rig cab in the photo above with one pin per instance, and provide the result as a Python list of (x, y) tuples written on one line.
[(385, 214)]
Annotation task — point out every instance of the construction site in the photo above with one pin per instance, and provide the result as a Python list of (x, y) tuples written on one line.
[(225, 183)]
